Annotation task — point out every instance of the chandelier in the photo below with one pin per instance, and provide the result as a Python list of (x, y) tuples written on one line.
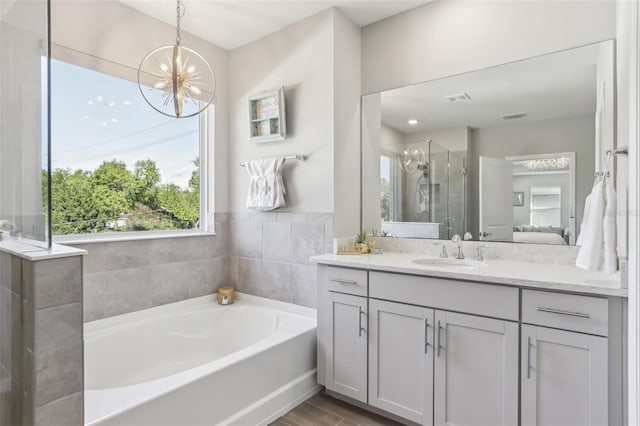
[(175, 80), (547, 164)]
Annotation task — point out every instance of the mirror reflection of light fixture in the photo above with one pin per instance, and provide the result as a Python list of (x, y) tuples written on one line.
[(175, 80), (411, 158), (547, 164)]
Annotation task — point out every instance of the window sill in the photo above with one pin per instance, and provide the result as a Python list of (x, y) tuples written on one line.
[(110, 237)]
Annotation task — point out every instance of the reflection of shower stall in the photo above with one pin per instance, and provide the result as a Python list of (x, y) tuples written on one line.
[(433, 189)]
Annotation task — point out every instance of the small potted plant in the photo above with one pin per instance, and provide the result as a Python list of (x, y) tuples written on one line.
[(361, 242)]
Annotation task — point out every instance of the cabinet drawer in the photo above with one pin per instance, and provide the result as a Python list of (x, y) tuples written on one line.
[(343, 280), (462, 296), (584, 314)]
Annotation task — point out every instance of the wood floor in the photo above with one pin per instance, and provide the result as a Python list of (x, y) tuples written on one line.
[(324, 410)]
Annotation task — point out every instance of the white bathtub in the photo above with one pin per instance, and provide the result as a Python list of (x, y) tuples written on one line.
[(199, 363)]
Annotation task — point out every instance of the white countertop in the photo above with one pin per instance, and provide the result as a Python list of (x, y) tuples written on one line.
[(517, 273)]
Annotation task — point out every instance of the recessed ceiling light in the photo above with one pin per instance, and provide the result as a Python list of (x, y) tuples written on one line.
[(412, 121)]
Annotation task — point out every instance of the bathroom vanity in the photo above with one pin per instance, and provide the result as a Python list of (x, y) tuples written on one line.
[(471, 342)]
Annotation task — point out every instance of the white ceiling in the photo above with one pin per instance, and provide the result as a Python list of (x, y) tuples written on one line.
[(231, 24), (552, 86)]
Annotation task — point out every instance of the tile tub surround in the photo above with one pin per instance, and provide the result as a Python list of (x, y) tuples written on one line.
[(11, 346), (43, 359), (270, 253), (127, 276)]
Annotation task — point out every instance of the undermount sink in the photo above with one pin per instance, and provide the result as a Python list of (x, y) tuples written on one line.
[(440, 262)]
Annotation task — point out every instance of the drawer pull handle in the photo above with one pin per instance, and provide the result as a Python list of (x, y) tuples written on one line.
[(560, 312), (341, 281)]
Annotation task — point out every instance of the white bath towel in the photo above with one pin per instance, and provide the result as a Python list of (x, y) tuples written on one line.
[(590, 255), (597, 239), (266, 188), (609, 242)]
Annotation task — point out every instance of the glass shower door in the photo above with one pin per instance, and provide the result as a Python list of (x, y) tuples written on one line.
[(24, 121)]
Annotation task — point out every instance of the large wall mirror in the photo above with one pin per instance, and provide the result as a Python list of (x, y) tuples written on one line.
[(506, 153)]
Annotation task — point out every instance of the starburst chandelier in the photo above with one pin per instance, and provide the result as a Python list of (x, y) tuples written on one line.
[(175, 80)]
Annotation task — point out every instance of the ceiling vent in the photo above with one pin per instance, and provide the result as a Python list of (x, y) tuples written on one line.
[(458, 97), (515, 116)]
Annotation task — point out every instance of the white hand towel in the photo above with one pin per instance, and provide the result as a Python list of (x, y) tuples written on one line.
[(585, 220), (591, 234), (266, 188), (422, 194), (609, 249)]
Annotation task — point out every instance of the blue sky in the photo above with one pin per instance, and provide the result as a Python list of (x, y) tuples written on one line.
[(96, 118)]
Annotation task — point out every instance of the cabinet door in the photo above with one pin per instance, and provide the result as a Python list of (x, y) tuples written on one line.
[(401, 360), (346, 371), (564, 378), (476, 371)]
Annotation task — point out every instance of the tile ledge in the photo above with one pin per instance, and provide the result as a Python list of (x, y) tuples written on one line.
[(32, 253)]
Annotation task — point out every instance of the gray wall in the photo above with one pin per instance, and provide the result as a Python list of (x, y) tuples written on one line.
[(408, 48), (41, 350), (576, 134)]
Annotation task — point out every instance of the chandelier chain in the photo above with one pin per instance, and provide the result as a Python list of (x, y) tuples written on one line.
[(180, 10)]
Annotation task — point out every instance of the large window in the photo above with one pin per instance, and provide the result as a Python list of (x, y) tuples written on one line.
[(118, 165)]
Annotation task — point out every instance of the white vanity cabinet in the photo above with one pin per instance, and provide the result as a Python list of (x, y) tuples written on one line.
[(564, 373), (474, 358), (401, 353), (442, 352), (476, 370), (345, 344)]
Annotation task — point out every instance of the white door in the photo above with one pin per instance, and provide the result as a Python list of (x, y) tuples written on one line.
[(476, 371), (346, 371), (401, 360), (496, 199), (564, 378)]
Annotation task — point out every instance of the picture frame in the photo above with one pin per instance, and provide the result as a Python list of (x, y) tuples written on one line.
[(518, 199), (267, 116)]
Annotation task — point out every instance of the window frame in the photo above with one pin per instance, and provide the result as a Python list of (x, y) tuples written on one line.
[(206, 141)]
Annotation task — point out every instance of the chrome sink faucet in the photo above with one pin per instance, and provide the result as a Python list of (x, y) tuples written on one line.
[(457, 239)]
